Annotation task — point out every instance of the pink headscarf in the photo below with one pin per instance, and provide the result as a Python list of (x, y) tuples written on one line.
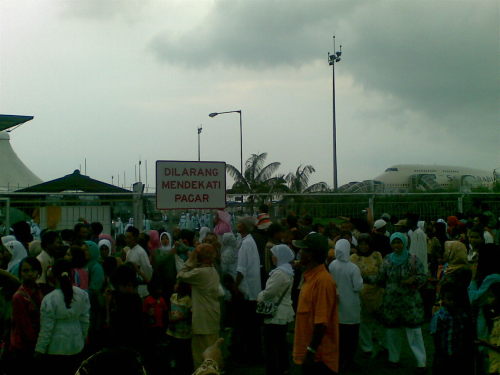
[(223, 224), (154, 240)]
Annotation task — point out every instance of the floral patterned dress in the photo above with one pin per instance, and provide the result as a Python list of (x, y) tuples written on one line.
[(402, 304), (371, 294)]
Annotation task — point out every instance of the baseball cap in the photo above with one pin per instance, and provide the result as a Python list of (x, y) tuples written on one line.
[(379, 224), (263, 221), (313, 241)]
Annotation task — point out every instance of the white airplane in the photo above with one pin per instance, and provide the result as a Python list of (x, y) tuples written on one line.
[(403, 178)]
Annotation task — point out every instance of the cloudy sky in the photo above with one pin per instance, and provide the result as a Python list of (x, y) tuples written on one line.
[(115, 82)]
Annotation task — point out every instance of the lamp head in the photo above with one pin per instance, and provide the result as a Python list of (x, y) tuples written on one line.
[(213, 114)]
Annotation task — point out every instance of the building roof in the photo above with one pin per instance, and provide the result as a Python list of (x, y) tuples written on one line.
[(9, 121), (14, 174), (74, 182)]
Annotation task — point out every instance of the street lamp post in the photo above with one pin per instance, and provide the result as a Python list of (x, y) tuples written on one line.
[(332, 59), (213, 114), (199, 132)]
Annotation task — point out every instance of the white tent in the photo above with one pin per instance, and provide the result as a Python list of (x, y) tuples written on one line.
[(14, 174)]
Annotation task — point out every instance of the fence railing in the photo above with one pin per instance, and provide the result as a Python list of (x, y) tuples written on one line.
[(63, 210)]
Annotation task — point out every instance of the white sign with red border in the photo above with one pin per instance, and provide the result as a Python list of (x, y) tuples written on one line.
[(190, 184)]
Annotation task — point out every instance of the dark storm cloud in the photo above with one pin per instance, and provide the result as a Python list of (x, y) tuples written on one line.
[(437, 57), (255, 34), (443, 57)]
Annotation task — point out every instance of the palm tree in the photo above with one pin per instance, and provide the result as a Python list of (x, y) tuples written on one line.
[(298, 182), (257, 178)]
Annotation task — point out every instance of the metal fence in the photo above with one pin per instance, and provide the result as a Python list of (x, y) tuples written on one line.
[(63, 210), (330, 205), (60, 211)]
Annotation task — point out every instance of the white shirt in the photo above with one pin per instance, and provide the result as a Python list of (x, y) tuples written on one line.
[(349, 282), (138, 255), (249, 267), (276, 285), (62, 330)]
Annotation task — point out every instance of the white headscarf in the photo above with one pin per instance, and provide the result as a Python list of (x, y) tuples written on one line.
[(107, 243), (343, 250), (421, 225), (203, 233), (169, 246), (444, 222), (18, 252), (284, 256), (418, 246)]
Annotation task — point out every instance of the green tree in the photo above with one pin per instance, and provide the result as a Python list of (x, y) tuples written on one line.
[(257, 178), (298, 182)]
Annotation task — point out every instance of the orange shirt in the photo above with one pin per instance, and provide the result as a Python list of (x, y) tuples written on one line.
[(317, 305)]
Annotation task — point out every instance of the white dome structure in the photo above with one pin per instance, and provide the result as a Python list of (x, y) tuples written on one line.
[(14, 174)]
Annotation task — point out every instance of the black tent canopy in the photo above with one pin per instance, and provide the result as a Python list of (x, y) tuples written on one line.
[(74, 182)]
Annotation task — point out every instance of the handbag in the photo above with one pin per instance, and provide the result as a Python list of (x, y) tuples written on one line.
[(268, 309)]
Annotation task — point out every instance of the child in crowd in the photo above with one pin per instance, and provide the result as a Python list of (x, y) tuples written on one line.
[(155, 310), (452, 329), (25, 321), (79, 273), (179, 328)]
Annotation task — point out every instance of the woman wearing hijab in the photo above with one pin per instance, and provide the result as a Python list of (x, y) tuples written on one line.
[(203, 233), (402, 274), (418, 244), (154, 241), (112, 249), (370, 264), (165, 241), (18, 253), (349, 283), (104, 248), (164, 247), (278, 290), (200, 273), (222, 222), (419, 248), (456, 268)]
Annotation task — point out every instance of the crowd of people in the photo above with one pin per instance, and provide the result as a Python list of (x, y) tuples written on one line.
[(158, 301)]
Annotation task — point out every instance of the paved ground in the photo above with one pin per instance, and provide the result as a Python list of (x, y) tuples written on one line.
[(363, 366)]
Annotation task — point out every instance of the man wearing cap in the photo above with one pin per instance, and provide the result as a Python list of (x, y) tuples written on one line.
[(248, 285), (380, 241), (316, 342)]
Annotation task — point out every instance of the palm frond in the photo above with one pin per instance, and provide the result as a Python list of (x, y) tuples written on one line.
[(234, 172), (267, 171), (318, 187)]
